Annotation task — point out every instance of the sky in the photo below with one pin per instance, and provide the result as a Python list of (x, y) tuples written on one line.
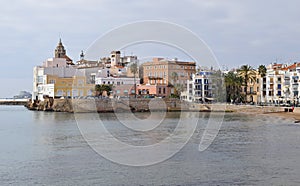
[(238, 32)]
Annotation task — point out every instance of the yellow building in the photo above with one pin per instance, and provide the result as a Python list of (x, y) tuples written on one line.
[(75, 86), (252, 94)]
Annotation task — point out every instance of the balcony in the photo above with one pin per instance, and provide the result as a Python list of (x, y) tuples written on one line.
[(251, 92)]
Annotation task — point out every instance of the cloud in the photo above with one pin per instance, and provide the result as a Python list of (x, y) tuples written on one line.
[(254, 32)]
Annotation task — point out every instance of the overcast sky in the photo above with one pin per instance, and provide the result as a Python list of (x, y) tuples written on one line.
[(238, 31)]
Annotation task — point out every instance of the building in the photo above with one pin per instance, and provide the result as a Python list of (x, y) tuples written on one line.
[(122, 86), (57, 87), (252, 91), (117, 60), (83, 63), (153, 90), (167, 72), (281, 84), (58, 76), (161, 77), (60, 52), (199, 88)]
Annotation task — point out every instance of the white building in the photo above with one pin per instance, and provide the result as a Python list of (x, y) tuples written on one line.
[(121, 86), (60, 65), (117, 60), (281, 84), (199, 89), (117, 81)]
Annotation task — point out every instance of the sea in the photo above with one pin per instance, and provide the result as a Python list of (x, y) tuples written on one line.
[(48, 148)]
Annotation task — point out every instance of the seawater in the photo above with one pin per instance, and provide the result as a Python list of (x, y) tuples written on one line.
[(46, 148)]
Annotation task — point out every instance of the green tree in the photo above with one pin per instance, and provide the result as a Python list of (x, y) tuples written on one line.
[(177, 87), (101, 88), (233, 84), (262, 70), (248, 74)]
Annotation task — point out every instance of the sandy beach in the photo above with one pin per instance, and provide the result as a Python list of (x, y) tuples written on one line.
[(295, 116), (266, 110)]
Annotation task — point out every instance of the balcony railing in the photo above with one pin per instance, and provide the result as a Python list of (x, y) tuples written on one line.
[(251, 92)]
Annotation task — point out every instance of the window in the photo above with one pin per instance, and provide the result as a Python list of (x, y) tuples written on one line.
[(159, 90), (80, 82), (279, 93), (164, 90), (52, 81), (251, 90), (40, 79), (126, 92), (279, 79), (279, 86)]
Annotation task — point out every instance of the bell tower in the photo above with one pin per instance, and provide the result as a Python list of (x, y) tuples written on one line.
[(60, 51)]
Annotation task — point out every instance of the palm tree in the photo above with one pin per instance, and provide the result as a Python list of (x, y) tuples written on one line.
[(233, 84), (262, 70), (248, 74)]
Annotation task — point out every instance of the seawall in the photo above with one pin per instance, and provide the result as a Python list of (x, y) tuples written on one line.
[(142, 105), (114, 105)]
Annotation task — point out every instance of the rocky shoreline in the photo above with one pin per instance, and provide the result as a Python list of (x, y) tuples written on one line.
[(115, 105), (142, 105)]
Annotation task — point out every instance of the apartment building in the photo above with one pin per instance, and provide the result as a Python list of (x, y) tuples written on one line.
[(199, 88), (281, 84), (168, 72)]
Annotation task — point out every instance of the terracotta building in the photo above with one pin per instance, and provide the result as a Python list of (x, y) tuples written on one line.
[(167, 72)]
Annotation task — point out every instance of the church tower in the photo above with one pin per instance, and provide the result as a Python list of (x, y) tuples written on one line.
[(60, 51)]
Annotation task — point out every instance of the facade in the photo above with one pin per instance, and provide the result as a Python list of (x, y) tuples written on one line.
[(153, 90), (75, 86), (121, 86), (83, 63), (117, 60), (41, 76), (58, 76), (281, 84), (57, 87), (167, 72), (199, 88), (252, 91)]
